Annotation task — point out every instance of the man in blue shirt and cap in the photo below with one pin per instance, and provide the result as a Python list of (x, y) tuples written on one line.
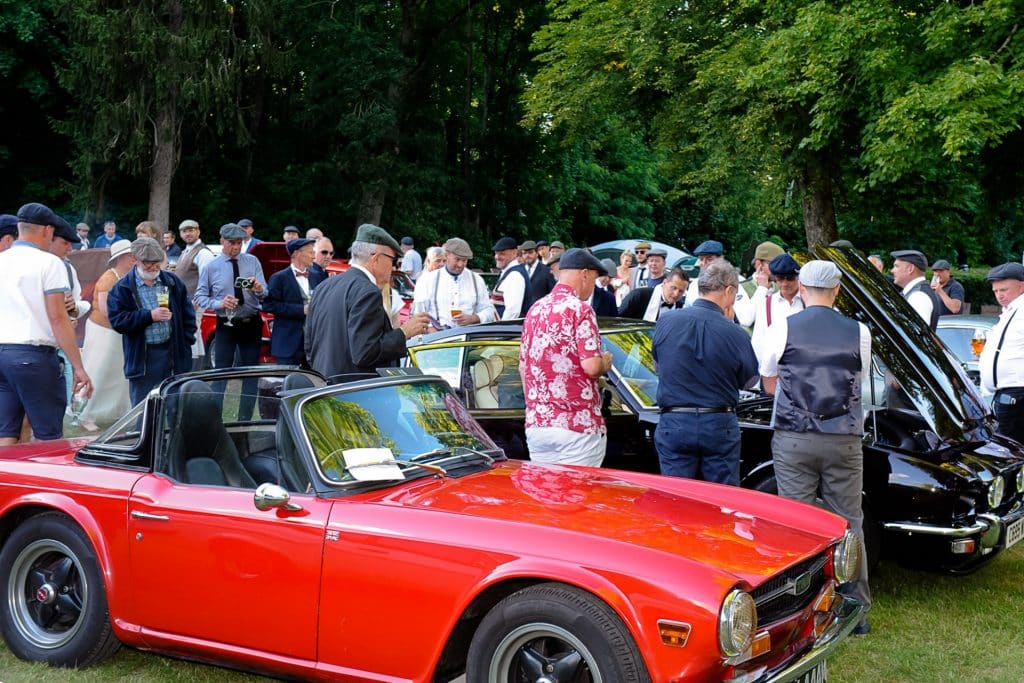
[(707, 252)]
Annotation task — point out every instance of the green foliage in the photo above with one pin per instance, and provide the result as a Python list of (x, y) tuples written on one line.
[(977, 290)]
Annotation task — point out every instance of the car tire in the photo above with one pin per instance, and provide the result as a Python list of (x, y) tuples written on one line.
[(872, 530), (555, 633), (56, 603)]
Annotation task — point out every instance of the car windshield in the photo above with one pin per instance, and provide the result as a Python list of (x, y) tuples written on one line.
[(633, 360), (406, 421)]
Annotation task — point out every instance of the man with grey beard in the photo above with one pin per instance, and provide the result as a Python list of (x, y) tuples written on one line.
[(157, 322)]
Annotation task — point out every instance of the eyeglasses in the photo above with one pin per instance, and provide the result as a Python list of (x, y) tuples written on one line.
[(395, 260), (325, 252)]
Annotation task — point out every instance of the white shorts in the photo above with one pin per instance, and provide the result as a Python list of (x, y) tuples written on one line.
[(558, 446)]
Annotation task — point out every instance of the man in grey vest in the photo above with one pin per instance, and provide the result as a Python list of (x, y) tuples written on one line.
[(908, 274), (814, 363), (194, 257)]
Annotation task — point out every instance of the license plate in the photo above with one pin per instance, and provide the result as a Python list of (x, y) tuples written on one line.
[(1014, 532), (816, 675)]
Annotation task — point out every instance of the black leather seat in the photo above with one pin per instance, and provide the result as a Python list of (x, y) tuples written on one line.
[(200, 450)]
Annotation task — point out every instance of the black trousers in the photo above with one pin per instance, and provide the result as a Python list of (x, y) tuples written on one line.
[(1009, 409), (245, 338)]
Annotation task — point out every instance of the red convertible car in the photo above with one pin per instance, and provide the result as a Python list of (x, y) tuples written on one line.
[(371, 531)]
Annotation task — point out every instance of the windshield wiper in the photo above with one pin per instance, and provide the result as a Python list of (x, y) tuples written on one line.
[(429, 454)]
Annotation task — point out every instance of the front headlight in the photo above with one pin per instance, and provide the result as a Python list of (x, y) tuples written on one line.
[(1020, 480), (737, 622), (995, 492), (846, 559)]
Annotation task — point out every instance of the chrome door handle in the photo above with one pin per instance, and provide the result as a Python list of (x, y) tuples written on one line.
[(145, 515)]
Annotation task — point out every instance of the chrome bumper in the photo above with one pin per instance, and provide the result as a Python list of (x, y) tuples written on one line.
[(984, 526), (850, 614)]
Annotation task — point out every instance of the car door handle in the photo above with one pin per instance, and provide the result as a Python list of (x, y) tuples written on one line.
[(145, 515)]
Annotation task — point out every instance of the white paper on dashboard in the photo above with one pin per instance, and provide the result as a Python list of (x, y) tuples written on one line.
[(372, 464)]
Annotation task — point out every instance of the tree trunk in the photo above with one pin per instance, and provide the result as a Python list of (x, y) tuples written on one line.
[(162, 172), (816, 195), (372, 203)]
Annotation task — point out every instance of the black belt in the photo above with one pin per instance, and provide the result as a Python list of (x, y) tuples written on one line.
[(698, 411)]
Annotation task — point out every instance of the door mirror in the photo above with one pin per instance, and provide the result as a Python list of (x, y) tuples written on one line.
[(269, 496)]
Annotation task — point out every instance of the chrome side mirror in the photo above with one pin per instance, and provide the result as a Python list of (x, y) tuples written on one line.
[(269, 496)]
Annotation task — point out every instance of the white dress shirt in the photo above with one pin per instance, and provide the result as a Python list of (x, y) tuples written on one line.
[(921, 302), (513, 289), (780, 308), (1010, 368), (438, 292), (743, 309)]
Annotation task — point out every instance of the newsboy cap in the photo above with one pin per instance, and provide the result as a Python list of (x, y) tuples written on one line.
[(642, 245), (709, 248), (38, 214), (557, 245), (8, 225), (148, 249), (64, 230), (941, 264), (233, 231), (408, 241), (766, 251), (824, 274), (291, 228), (245, 223), (188, 223), (579, 259), (459, 247), (1007, 271), (609, 267), (911, 256), (784, 264), (504, 244), (842, 243), (298, 243), (374, 234), (657, 251), (528, 245), (542, 243)]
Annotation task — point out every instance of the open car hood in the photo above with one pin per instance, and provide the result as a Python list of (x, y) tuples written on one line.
[(931, 377)]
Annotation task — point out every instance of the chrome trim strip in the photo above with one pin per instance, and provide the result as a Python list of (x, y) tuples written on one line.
[(850, 614)]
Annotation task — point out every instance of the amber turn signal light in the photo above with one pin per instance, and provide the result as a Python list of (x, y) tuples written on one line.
[(673, 633)]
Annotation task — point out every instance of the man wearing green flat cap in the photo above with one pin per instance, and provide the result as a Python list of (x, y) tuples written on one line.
[(348, 329)]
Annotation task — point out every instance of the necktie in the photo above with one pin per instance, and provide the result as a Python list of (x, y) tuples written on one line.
[(995, 358), (239, 294)]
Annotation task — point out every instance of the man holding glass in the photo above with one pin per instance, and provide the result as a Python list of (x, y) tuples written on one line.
[(151, 310), (453, 295)]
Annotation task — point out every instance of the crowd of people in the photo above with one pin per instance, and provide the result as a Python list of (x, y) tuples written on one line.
[(145, 316)]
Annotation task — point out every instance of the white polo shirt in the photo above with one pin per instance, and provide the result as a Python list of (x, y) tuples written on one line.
[(27, 275)]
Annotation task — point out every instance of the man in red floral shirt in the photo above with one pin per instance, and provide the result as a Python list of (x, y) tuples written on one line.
[(559, 361)]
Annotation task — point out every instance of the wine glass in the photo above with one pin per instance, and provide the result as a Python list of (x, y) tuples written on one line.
[(78, 402), (229, 313), (978, 341)]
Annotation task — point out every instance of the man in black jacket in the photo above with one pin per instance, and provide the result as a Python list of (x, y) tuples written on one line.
[(647, 303), (288, 300), (348, 329), (541, 281)]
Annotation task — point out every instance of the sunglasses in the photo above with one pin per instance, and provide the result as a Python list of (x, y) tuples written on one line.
[(641, 251), (325, 252)]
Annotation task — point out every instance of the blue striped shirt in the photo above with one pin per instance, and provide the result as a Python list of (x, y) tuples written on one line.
[(217, 280)]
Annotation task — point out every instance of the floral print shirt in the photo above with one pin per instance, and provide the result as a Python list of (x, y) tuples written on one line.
[(559, 333)]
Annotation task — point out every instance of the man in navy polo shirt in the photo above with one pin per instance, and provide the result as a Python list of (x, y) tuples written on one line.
[(33, 324)]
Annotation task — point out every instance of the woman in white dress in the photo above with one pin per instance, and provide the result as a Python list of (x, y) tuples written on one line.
[(102, 354)]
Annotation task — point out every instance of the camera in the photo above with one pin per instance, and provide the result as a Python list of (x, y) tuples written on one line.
[(244, 282)]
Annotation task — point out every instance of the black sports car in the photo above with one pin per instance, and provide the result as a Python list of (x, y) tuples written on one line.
[(941, 491)]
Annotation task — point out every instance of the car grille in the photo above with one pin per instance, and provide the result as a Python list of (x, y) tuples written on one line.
[(790, 591)]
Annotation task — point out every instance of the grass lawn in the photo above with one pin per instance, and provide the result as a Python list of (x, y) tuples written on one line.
[(924, 628)]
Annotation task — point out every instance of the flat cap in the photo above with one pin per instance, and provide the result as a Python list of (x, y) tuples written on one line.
[(542, 243), (64, 230), (766, 251), (579, 259), (1007, 271), (233, 231), (609, 267), (117, 248), (784, 264), (824, 274), (459, 247), (245, 223), (38, 214), (709, 248), (557, 245), (505, 243), (8, 225), (148, 249), (188, 223), (298, 243), (658, 251), (554, 260), (374, 234), (291, 228), (842, 243), (642, 245), (941, 264), (408, 241), (911, 256), (528, 245)]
